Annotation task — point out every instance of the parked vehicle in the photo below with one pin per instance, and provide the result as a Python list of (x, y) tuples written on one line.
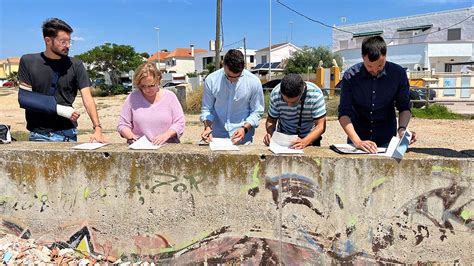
[(172, 85), (9, 84), (269, 85), (418, 93)]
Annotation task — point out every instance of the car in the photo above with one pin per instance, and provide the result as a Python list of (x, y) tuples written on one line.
[(172, 85), (419, 93), (8, 84), (269, 85)]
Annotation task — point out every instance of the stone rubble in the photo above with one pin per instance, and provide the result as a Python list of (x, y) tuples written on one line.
[(17, 251)]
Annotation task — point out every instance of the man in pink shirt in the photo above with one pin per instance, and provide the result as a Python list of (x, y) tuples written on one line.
[(151, 111)]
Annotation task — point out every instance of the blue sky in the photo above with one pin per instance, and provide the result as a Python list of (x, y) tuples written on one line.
[(185, 22)]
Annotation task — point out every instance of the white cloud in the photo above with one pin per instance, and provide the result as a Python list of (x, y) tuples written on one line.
[(77, 38)]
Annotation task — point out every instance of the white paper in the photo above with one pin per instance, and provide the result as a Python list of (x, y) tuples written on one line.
[(351, 149), (222, 144), (398, 146), (281, 143), (143, 144), (89, 146)]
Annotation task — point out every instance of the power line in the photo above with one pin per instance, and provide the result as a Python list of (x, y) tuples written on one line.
[(236, 42), (346, 31)]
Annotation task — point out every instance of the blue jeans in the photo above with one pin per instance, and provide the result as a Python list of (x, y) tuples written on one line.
[(66, 135)]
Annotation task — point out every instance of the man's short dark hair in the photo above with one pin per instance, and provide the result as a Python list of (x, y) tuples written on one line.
[(292, 85), (53, 25), (234, 60), (374, 47)]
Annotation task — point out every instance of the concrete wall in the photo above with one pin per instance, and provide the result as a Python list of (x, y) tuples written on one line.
[(184, 204)]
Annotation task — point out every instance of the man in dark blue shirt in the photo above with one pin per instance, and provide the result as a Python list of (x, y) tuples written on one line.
[(370, 91)]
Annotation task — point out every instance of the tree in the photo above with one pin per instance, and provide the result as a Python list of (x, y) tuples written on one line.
[(211, 67), (145, 55), (112, 58), (310, 56), (13, 77)]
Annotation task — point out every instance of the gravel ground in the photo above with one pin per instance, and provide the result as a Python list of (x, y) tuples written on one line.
[(446, 134)]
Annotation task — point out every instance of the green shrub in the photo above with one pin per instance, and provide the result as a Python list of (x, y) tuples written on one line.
[(192, 75), (435, 111), (332, 106)]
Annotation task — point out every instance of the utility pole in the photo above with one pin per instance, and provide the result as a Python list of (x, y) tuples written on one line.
[(159, 53), (245, 54), (270, 46), (291, 31), (218, 34)]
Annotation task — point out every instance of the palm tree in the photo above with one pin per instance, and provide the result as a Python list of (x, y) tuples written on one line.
[(13, 77)]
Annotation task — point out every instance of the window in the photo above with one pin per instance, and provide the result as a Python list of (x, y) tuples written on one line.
[(252, 58), (264, 59), (343, 44), (454, 34)]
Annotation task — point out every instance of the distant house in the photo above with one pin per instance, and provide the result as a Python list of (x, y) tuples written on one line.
[(181, 60), (443, 40), (8, 66), (279, 53), (159, 58), (201, 60)]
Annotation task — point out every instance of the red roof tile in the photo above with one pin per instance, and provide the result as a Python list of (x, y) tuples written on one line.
[(185, 52), (154, 57)]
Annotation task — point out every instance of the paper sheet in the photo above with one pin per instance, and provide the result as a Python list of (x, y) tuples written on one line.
[(281, 143), (398, 146), (143, 144), (222, 144), (89, 146), (351, 149)]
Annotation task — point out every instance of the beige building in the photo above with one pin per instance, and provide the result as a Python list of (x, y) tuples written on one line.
[(8, 66)]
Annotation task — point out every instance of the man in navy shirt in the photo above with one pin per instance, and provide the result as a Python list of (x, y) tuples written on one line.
[(370, 91)]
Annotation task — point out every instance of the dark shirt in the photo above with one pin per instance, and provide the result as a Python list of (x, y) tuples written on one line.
[(369, 101), (38, 71)]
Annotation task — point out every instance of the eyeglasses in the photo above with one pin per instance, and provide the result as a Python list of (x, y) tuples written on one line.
[(65, 42), (233, 77), (142, 87)]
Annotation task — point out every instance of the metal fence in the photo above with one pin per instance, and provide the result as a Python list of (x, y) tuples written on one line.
[(426, 96)]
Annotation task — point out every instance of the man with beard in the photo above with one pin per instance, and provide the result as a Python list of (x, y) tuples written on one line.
[(54, 73), (370, 91)]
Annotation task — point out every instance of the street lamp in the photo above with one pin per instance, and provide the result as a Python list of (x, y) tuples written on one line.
[(159, 53), (291, 31)]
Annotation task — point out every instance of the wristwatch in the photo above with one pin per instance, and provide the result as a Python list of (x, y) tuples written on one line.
[(94, 126), (400, 127), (245, 129)]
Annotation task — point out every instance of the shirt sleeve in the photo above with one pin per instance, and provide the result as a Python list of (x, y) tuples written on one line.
[(319, 106), (24, 73), (256, 105), (178, 120), (208, 101), (273, 110), (126, 116), (403, 96), (83, 80), (345, 102)]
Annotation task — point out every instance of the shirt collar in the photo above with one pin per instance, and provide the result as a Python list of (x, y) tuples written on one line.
[(368, 75)]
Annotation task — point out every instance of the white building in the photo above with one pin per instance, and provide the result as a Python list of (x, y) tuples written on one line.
[(181, 60), (443, 40), (279, 53), (202, 59)]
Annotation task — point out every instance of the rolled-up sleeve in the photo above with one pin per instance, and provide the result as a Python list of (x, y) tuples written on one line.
[(126, 116), (403, 94), (256, 106), (179, 121), (345, 102), (208, 101)]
